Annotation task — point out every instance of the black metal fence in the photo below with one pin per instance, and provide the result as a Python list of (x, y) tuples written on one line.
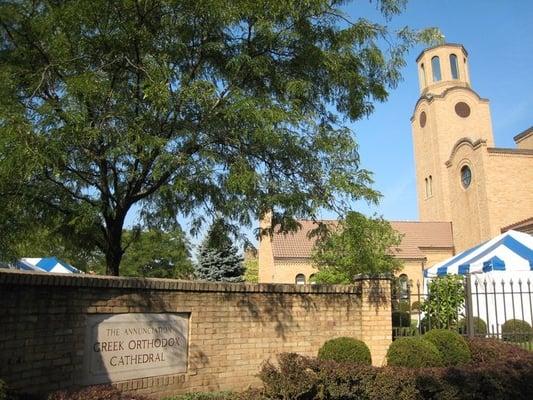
[(482, 306)]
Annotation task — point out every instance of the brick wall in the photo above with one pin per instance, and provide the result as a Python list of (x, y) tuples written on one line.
[(233, 328)]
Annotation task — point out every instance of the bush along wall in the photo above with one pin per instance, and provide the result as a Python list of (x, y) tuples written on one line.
[(504, 374)]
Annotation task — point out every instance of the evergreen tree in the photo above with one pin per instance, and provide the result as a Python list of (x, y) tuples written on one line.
[(218, 259)]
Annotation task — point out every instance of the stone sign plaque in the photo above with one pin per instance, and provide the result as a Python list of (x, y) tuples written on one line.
[(129, 346)]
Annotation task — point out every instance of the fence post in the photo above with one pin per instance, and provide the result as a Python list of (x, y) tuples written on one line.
[(468, 306)]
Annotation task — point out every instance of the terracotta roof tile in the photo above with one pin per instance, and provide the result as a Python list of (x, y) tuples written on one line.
[(416, 235)]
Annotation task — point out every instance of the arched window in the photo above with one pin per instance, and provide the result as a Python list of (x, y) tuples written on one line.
[(312, 279), (403, 286), (435, 66), (454, 66), (423, 73), (427, 187), (430, 186), (300, 279)]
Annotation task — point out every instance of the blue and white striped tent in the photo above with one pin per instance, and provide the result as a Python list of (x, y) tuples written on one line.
[(511, 251), (48, 264), (501, 272)]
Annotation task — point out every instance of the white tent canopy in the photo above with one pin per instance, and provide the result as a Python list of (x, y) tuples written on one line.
[(48, 264), (501, 272), (511, 251)]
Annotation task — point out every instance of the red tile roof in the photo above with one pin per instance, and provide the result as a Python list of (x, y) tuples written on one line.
[(416, 235)]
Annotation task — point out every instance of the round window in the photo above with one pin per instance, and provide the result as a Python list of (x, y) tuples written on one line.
[(423, 119), (462, 109), (466, 176)]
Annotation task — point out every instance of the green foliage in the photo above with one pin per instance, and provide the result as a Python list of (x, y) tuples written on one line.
[(401, 319), (452, 347), (218, 259), (345, 349), (179, 108), (446, 298), (358, 245), (416, 306), (480, 327), (413, 352), (251, 270), (3, 390), (516, 330), (151, 253), (157, 254)]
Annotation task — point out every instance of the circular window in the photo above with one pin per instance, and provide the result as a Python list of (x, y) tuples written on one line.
[(423, 119), (462, 109), (466, 176)]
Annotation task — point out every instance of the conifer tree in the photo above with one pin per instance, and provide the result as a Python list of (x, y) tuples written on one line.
[(218, 258)]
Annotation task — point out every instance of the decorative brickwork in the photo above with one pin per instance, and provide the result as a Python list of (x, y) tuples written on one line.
[(233, 328)]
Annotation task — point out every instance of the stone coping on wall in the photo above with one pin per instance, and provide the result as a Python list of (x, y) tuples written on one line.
[(33, 278)]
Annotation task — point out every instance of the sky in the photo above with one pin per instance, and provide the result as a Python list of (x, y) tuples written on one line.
[(499, 39)]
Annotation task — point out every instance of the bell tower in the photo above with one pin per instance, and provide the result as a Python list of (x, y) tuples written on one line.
[(447, 112)]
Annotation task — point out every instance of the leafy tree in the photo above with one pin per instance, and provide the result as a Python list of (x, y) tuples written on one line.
[(445, 300), (218, 259), (357, 245), (185, 107), (157, 254), (251, 268)]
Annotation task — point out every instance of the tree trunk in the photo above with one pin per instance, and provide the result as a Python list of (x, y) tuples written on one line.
[(114, 252), (113, 257)]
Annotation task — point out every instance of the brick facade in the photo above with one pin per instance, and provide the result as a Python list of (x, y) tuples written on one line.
[(233, 328), (445, 142)]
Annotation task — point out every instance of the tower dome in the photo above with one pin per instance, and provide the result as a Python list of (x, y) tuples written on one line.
[(442, 67)]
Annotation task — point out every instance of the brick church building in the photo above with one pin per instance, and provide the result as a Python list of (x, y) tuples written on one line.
[(468, 190)]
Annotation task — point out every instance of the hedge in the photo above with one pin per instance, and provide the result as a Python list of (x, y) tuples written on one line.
[(516, 330), (413, 352), (345, 349), (3, 390), (451, 346), (301, 378), (480, 327), (493, 350)]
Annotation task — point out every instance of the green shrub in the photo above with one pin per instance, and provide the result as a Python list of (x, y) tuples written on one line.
[(401, 319), (345, 349), (480, 327), (452, 346), (403, 306), (413, 352), (3, 390), (516, 330)]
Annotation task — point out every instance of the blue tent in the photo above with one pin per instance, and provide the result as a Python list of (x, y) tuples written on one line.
[(48, 264), (511, 251)]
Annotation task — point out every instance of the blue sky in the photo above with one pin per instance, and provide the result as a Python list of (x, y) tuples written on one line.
[(499, 40)]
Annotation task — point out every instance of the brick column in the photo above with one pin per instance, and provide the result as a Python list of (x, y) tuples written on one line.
[(376, 322)]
